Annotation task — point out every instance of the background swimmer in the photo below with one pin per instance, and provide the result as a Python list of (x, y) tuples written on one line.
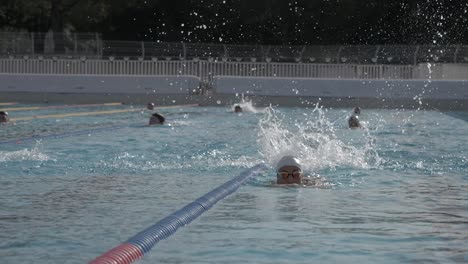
[(357, 111), (4, 118), (353, 122), (238, 109), (156, 119), (246, 107), (150, 106)]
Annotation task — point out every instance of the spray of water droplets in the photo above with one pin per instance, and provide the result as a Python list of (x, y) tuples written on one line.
[(247, 106), (33, 154), (312, 138)]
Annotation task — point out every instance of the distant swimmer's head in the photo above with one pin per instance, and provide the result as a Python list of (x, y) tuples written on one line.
[(288, 171), (150, 106), (357, 111), (353, 122), (4, 117), (238, 109), (156, 119)]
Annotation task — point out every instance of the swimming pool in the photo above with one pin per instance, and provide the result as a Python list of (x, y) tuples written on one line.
[(399, 186)]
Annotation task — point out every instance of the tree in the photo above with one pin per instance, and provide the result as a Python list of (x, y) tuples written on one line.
[(285, 22)]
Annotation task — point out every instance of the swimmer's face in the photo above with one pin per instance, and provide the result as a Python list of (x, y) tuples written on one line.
[(237, 109), (289, 175), (150, 106)]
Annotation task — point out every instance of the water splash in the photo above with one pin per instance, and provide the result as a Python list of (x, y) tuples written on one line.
[(33, 154), (247, 106), (419, 96), (313, 139)]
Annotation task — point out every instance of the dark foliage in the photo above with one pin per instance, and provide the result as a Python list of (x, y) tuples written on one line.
[(287, 22)]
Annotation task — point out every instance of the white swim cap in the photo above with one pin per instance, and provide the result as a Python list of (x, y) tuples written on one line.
[(288, 161)]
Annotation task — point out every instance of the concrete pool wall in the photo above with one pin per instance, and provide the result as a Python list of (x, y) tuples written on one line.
[(226, 90)]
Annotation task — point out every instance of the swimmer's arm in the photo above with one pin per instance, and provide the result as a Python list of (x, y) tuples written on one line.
[(316, 181), (308, 180)]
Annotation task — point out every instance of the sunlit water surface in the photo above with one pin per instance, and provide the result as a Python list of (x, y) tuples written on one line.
[(398, 195)]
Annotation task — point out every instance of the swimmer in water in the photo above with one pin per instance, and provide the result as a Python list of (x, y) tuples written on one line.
[(4, 118), (289, 171), (150, 106), (238, 109), (156, 119), (357, 111), (353, 122)]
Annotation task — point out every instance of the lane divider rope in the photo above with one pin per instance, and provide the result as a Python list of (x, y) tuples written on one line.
[(108, 112), (140, 244), (11, 109), (55, 107), (8, 103)]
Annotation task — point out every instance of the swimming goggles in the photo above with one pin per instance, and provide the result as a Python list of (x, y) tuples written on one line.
[(285, 175)]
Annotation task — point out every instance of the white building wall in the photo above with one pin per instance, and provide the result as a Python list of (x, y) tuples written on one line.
[(125, 84), (434, 89)]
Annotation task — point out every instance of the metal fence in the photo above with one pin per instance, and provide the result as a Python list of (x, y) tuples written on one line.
[(91, 45), (50, 44), (205, 70)]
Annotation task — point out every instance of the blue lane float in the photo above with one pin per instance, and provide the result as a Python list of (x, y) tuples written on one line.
[(140, 244)]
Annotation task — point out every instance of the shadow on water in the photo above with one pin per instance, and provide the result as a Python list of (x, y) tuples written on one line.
[(459, 115)]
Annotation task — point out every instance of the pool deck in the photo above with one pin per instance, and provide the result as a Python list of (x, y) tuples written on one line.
[(226, 100)]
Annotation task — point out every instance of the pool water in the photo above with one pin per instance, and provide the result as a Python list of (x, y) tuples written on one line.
[(72, 188)]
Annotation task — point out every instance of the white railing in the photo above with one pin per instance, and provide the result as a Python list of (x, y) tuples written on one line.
[(305, 70), (97, 67), (205, 69)]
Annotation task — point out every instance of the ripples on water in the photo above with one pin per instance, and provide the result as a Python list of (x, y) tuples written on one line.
[(399, 192)]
